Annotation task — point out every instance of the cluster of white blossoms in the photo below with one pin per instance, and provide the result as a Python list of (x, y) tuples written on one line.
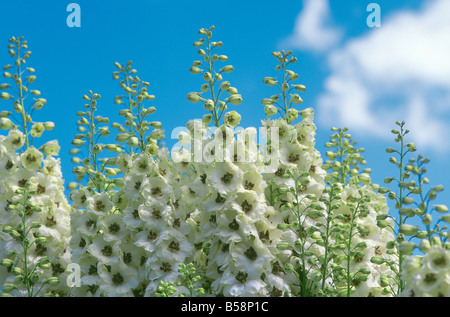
[(228, 211), (129, 240), (428, 275), (362, 207), (225, 192), (296, 181), (34, 212), (45, 216)]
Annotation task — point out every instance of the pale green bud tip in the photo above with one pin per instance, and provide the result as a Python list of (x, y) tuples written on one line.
[(269, 81), (194, 97), (7, 288), (408, 230), (5, 96), (235, 99), (228, 69), (446, 218), (72, 185), (52, 281), (270, 110), (295, 98), (207, 118), (377, 260), (441, 208), (6, 124), (232, 119), (406, 248)]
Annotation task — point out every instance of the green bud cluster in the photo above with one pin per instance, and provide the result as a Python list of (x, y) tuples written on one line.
[(96, 168), (25, 234), (288, 97), (22, 77), (216, 105), (135, 130), (413, 201)]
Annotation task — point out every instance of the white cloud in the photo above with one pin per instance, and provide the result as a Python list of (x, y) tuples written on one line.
[(400, 71), (312, 30)]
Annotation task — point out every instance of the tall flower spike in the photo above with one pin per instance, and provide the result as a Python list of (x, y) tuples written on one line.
[(16, 73), (284, 102), (135, 133), (34, 213), (214, 82), (408, 195), (98, 169)]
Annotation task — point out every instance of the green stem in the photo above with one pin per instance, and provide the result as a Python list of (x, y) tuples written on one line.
[(21, 98), (327, 233)]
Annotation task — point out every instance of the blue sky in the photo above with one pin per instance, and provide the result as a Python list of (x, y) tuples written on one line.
[(356, 76)]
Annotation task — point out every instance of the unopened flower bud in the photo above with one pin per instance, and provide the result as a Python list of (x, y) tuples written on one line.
[(408, 230), (193, 97), (441, 208), (406, 248), (235, 99), (227, 69)]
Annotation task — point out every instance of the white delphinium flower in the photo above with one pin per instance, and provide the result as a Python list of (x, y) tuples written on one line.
[(225, 177), (239, 285), (133, 186), (99, 203), (79, 197), (31, 159), (135, 257), (157, 191), (131, 215), (87, 223), (295, 155), (181, 157), (151, 238), (44, 187), (124, 162), (118, 280), (427, 275), (52, 168), (106, 252), (113, 227), (8, 163), (372, 236), (14, 141), (142, 164), (250, 203)]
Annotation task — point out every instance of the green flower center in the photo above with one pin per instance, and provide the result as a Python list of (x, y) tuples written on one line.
[(100, 205), (226, 178), (92, 270), (234, 225), (241, 277), (441, 261), (174, 246), (246, 206), (107, 250), (293, 158), (127, 258), (156, 191), (114, 228), (251, 254), (166, 267), (117, 279), (152, 236), (248, 185), (430, 278)]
